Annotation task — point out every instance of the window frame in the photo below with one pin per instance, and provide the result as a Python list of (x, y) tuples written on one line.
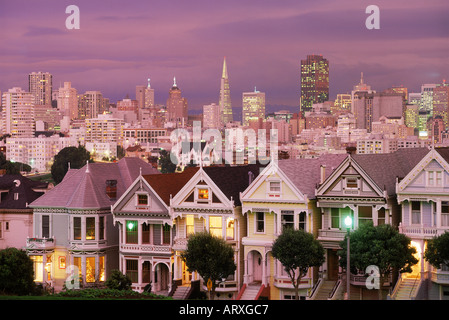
[(259, 222)]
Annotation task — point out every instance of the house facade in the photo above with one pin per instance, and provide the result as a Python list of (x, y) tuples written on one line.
[(424, 198), (363, 188), (75, 242), (16, 218), (282, 196)]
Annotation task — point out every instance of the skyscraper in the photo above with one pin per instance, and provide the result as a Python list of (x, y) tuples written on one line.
[(40, 85), (149, 95), (68, 101), (18, 113), (176, 106), (225, 97), (253, 106), (91, 104), (314, 81)]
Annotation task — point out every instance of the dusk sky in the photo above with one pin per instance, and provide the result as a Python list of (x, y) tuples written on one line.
[(122, 43)]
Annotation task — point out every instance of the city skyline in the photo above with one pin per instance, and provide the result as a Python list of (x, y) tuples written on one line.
[(120, 46)]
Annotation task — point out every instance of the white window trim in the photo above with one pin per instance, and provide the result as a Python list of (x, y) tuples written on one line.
[(203, 201), (137, 199), (264, 223)]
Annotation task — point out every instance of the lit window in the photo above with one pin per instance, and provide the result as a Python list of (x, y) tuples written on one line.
[(203, 194), (230, 229), (215, 226), (102, 274), (131, 231), (90, 228), (90, 269), (190, 226)]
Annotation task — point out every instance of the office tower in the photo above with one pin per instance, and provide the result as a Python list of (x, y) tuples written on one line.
[(411, 115), (427, 97), (314, 81), (361, 87), (225, 97), (140, 96), (253, 106), (149, 96), (211, 116), (398, 89), (369, 107), (104, 128), (176, 106), (441, 103), (91, 104), (18, 113), (40, 85), (67, 101), (414, 98)]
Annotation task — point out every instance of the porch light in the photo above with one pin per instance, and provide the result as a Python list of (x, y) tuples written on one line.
[(130, 225)]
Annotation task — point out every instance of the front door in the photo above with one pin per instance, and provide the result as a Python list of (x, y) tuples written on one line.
[(332, 264), (257, 266)]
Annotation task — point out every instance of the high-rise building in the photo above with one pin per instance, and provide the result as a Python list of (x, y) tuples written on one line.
[(211, 116), (253, 104), (104, 128), (225, 97), (342, 104), (427, 97), (314, 81), (140, 96), (67, 100), (91, 104), (18, 113), (176, 106), (40, 85), (149, 96), (441, 103)]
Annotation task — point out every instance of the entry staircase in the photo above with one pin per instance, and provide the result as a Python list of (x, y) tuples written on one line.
[(250, 291), (181, 292), (406, 289)]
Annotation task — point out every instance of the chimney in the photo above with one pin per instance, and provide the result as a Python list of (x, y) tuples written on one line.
[(111, 189), (322, 173), (250, 177)]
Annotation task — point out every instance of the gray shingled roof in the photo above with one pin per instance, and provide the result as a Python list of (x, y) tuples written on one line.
[(305, 174), (86, 187), (385, 167)]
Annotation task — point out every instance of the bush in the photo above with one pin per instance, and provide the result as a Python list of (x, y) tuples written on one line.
[(16, 272), (118, 281)]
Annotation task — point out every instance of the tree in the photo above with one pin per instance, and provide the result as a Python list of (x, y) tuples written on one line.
[(16, 272), (118, 281), (76, 156), (167, 166), (210, 256), (437, 251), (297, 250), (381, 246)]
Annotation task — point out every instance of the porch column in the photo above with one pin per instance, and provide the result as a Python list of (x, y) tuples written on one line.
[(139, 271), (264, 269), (438, 213)]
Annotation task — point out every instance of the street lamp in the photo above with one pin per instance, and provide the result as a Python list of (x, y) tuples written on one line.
[(348, 223)]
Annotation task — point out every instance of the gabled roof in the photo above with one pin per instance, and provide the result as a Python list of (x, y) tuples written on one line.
[(305, 174), (86, 187), (444, 153), (385, 167), (233, 180), (169, 184), (24, 187)]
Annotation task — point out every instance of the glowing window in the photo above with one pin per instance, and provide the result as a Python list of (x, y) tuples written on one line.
[(90, 228), (203, 194), (190, 227), (215, 226)]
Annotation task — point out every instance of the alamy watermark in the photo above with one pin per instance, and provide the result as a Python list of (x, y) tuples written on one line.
[(208, 147)]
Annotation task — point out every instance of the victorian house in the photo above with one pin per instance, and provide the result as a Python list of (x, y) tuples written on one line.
[(16, 217), (282, 196), (74, 239), (363, 187), (423, 195), (210, 202), (143, 217)]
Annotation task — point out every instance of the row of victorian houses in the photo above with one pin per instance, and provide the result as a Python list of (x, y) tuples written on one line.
[(129, 216)]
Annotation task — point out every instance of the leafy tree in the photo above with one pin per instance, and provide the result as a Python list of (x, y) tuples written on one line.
[(77, 156), (16, 272), (167, 166), (382, 246), (437, 251), (210, 256), (118, 281), (297, 250)]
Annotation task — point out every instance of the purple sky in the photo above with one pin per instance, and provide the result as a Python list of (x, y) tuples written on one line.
[(120, 44)]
